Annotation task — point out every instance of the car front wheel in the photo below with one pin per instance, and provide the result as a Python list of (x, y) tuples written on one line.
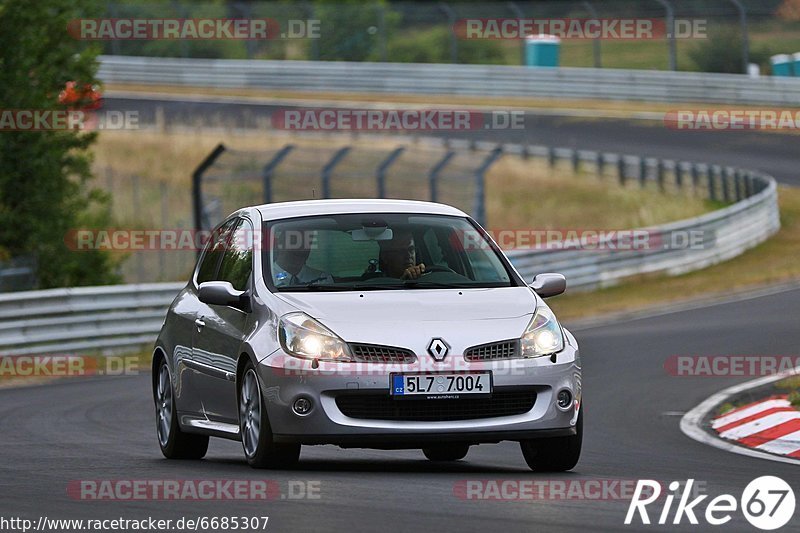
[(557, 454), (259, 448), (174, 443)]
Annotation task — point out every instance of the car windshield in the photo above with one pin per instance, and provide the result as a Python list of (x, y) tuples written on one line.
[(379, 251)]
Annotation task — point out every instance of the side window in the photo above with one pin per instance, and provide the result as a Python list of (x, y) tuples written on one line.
[(207, 271), (237, 263)]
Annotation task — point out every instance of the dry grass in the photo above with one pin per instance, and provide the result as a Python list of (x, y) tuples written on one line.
[(771, 262), (520, 194)]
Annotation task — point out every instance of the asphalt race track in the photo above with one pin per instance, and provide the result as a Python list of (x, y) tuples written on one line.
[(103, 428), (773, 152)]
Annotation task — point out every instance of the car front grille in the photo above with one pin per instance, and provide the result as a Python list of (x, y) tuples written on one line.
[(384, 407), (373, 353), (494, 350)]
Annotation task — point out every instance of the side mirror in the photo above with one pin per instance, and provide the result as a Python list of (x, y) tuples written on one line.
[(223, 293), (546, 285)]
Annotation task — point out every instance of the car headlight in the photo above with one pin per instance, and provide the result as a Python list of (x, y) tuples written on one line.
[(543, 336), (302, 336)]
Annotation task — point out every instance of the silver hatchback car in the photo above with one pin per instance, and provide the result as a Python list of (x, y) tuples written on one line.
[(387, 324)]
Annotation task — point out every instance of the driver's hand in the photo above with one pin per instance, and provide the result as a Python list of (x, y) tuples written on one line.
[(413, 272)]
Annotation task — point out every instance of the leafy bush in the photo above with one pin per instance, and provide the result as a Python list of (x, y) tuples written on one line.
[(722, 52), (432, 45), (44, 175)]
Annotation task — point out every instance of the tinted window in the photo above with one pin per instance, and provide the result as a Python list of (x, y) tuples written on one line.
[(380, 250), (237, 262), (213, 253)]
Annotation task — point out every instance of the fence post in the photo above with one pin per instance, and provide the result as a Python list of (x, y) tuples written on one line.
[(433, 176), (380, 174), (660, 174), (327, 170), (679, 175), (695, 177), (576, 161), (551, 156), (197, 193), (480, 189), (600, 164), (269, 170), (621, 169)]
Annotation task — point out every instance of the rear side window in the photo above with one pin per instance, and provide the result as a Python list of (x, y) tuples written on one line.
[(207, 271), (237, 262)]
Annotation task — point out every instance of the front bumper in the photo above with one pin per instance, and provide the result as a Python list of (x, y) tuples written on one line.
[(284, 379)]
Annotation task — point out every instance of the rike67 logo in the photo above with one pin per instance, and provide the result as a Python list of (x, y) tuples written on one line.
[(767, 502)]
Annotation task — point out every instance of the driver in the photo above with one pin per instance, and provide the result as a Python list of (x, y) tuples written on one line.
[(398, 256)]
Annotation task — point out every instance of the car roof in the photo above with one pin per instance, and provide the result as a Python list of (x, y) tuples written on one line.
[(329, 207)]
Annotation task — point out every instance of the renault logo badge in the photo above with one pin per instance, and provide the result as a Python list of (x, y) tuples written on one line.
[(438, 349)]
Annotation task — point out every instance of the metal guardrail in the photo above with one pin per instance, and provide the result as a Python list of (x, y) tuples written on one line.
[(129, 316), (62, 321), (447, 79)]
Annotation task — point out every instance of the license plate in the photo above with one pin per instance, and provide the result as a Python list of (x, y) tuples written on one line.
[(441, 386)]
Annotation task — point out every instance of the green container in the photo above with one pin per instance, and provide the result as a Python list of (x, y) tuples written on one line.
[(542, 51), (781, 65)]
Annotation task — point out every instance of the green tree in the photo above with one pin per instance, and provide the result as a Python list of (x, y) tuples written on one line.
[(45, 188)]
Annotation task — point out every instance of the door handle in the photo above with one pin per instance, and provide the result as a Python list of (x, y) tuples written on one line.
[(199, 323)]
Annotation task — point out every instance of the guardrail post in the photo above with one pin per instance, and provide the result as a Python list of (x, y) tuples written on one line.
[(621, 169), (269, 170), (433, 176), (737, 177), (748, 185), (197, 193), (576, 162), (660, 174), (327, 170), (679, 175), (600, 164), (551, 157), (711, 171), (695, 173), (642, 172), (726, 178), (480, 185), (380, 174)]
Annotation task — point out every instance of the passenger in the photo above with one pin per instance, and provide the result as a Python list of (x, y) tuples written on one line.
[(289, 264)]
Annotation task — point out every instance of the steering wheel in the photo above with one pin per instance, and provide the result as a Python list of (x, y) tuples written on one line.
[(437, 268)]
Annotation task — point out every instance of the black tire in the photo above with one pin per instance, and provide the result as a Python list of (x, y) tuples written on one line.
[(259, 448), (174, 443), (452, 452), (557, 454)]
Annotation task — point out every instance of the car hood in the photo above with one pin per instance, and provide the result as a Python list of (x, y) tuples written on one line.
[(411, 318), (422, 305)]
